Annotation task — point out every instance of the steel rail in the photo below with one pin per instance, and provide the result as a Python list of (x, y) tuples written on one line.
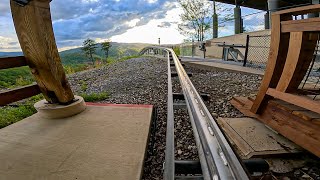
[(169, 166), (218, 160)]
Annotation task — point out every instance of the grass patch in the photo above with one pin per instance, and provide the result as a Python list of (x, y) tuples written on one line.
[(84, 85), (10, 115), (93, 97)]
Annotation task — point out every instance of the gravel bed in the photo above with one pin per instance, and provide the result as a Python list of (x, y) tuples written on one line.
[(144, 81)]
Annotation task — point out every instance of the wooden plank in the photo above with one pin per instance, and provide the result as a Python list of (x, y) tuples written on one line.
[(316, 121), (300, 55), (312, 24), (277, 57), (33, 25), (18, 94), (299, 10), (12, 62), (245, 149), (306, 115), (304, 133), (300, 101), (286, 106), (254, 139)]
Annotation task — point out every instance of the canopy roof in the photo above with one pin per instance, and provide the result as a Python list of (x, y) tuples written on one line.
[(262, 4)]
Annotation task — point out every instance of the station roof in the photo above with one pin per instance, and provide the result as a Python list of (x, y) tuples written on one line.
[(262, 4)]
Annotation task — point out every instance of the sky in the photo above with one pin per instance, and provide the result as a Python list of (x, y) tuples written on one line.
[(130, 21)]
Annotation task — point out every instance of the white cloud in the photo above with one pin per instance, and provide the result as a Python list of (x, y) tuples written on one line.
[(153, 30)]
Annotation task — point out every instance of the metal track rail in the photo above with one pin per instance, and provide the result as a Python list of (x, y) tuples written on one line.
[(217, 159)]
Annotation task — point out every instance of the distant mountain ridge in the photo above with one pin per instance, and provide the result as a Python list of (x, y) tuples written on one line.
[(76, 56)]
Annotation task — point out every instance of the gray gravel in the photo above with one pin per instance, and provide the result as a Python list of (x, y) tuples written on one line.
[(144, 81)]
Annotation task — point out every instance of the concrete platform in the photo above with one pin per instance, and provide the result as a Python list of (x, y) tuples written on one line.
[(253, 139), (103, 142), (219, 65)]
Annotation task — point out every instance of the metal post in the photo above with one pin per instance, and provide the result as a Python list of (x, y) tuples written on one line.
[(267, 20), (246, 52), (237, 20), (313, 15), (214, 21), (273, 5)]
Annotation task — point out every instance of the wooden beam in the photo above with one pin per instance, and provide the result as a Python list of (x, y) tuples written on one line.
[(277, 56), (300, 55), (299, 10), (33, 25), (18, 94), (312, 24), (12, 62), (300, 101)]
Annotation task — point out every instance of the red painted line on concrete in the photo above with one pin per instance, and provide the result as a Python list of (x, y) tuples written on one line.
[(120, 105)]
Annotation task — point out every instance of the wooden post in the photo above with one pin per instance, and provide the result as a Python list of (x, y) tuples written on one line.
[(33, 25)]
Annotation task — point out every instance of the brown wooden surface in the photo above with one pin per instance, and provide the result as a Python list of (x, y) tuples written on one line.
[(18, 94), (300, 10), (277, 57), (304, 133), (300, 55), (12, 62), (34, 29), (312, 24), (300, 101)]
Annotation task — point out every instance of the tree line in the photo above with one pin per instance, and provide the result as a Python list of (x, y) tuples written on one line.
[(90, 46)]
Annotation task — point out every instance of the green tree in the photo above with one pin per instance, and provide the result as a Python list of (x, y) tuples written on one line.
[(105, 46), (199, 16), (196, 18), (89, 48)]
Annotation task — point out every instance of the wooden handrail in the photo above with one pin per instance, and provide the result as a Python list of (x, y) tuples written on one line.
[(12, 62), (18, 94), (300, 101), (312, 24), (299, 10)]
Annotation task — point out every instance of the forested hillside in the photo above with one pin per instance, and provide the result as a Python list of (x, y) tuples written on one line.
[(73, 60)]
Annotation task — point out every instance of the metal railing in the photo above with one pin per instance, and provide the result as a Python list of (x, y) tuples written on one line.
[(217, 159)]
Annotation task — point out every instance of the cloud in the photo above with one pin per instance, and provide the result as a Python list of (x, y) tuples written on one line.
[(76, 20), (103, 18), (165, 25)]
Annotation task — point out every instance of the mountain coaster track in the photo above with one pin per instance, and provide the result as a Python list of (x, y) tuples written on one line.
[(217, 159)]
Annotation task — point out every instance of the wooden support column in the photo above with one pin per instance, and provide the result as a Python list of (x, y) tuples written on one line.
[(300, 55), (277, 58), (33, 25)]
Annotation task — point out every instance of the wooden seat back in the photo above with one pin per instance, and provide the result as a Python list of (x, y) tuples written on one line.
[(293, 44)]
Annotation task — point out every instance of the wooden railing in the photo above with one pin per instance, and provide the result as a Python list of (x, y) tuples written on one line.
[(20, 93)]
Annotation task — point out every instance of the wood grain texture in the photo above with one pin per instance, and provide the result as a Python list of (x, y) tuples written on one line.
[(300, 101), (18, 94), (277, 56), (304, 133), (300, 10), (34, 29), (312, 24), (300, 55), (12, 62)]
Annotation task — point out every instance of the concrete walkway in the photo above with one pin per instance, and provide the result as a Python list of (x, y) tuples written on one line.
[(219, 65), (103, 142)]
